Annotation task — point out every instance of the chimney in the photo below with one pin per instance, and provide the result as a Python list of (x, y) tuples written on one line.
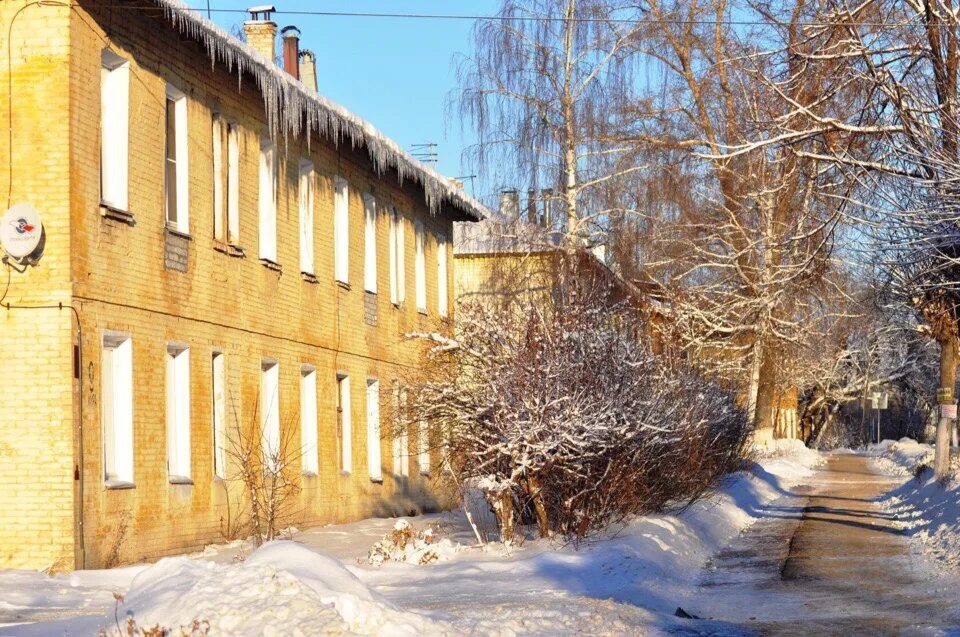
[(261, 30), (291, 50), (509, 204), (308, 69), (532, 206)]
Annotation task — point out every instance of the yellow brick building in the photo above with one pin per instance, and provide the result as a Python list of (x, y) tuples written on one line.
[(218, 240)]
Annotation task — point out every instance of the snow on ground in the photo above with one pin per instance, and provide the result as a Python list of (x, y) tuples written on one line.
[(900, 457), (630, 581)]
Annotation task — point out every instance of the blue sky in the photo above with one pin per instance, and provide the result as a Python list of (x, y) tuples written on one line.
[(395, 73)]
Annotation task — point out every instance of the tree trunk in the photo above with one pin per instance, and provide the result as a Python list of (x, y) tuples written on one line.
[(539, 507), (948, 379), (504, 508), (766, 394)]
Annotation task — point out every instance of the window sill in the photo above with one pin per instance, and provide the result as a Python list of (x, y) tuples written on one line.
[(425, 474), (344, 474), (118, 485), (310, 474), (343, 284), (376, 480), (180, 480), (116, 214), (178, 233), (421, 312), (370, 292), (229, 249), (309, 278), (271, 265)]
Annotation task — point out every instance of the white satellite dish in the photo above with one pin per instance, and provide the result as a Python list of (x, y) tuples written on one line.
[(20, 231)]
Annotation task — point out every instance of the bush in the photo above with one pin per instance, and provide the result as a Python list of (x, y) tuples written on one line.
[(559, 409)]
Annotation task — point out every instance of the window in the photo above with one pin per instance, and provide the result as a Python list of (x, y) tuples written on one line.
[(401, 443), (420, 266), (308, 420), (176, 181), (219, 200), (178, 412), (397, 270), (373, 430), (341, 236), (114, 129), (219, 415), (270, 412), (306, 216), (343, 423), (423, 447), (233, 184), (117, 408), (370, 243), (268, 200), (442, 308)]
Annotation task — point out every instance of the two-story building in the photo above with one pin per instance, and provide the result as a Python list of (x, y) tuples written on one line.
[(224, 250)]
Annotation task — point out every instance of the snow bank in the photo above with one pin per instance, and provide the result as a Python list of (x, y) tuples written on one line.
[(900, 457), (929, 513), (788, 458), (283, 588)]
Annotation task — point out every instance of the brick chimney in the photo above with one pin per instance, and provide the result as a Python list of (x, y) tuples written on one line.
[(261, 30), (291, 50), (308, 69)]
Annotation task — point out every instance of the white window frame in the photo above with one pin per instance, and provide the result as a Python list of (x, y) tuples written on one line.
[(374, 454), (369, 243), (218, 416), (309, 446), (268, 200), (443, 302), (420, 265), (423, 447), (114, 130), (397, 260), (219, 127), (345, 429), (401, 440), (270, 412), (233, 184), (341, 230), (178, 412), (305, 205), (116, 414), (181, 220)]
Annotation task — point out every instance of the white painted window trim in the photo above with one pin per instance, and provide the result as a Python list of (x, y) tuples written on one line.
[(443, 303), (268, 200), (309, 447), (346, 429), (178, 412), (233, 184), (114, 130), (341, 230), (270, 412), (374, 456), (116, 397), (369, 243), (182, 222), (420, 265), (306, 208), (219, 179), (423, 447), (218, 389), (401, 441)]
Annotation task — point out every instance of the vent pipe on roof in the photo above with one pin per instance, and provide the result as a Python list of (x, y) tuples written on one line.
[(291, 50), (308, 69), (510, 204), (261, 30)]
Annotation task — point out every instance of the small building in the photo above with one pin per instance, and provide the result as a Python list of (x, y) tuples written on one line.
[(225, 250)]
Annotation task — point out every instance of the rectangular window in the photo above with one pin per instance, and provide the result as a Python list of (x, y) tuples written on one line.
[(268, 200), (306, 216), (374, 461), (420, 266), (178, 412), (219, 200), (270, 413), (442, 300), (423, 447), (117, 407), (114, 129), (370, 243), (397, 270), (341, 230), (176, 182), (343, 423), (401, 443), (219, 415), (233, 184), (308, 420)]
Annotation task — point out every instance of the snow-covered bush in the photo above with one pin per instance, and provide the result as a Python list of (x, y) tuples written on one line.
[(411, 545), (557, 407)]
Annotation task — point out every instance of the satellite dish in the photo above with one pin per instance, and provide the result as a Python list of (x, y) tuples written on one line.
[(21, 232)]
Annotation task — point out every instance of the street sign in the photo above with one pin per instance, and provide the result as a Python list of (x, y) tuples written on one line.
[(884, 400), (948, 410), (945, 395)]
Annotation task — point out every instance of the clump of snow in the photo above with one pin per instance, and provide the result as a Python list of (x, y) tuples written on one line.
[(283, 588), (412, 546), (788, 458), (900, 457)]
